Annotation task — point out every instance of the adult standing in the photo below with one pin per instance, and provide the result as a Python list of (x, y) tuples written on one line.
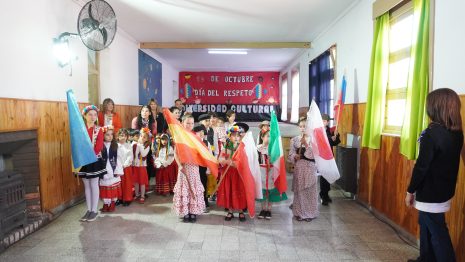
[(144, 119), (231, 119), (180, 106), (107, 115), (434, 175)]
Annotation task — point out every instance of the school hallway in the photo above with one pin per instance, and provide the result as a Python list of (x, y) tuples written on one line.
[(344, 231)]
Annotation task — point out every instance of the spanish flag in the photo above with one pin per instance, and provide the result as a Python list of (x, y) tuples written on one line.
[(189, 147)]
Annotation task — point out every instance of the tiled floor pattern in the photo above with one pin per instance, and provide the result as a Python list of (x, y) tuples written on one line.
[(345, 231)]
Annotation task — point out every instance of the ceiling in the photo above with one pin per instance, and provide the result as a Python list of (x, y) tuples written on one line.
[(227, 21)]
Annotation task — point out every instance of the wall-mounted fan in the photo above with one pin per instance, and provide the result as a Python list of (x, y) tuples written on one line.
[(97, 25)]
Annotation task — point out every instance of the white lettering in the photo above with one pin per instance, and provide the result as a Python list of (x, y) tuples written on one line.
[(267, 109)]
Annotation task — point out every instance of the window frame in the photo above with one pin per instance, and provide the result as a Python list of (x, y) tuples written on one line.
[(295, 94), (397, 14)]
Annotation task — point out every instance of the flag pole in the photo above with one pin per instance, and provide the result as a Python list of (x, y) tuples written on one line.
[(223, 174), (339, 106)]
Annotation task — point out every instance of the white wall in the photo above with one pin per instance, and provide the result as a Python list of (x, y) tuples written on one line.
[(27, 65), (449, 52), (119, 71), (352, 32), (29, 69)]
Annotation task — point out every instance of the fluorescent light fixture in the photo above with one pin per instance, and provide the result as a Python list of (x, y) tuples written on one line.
[(227, 51)]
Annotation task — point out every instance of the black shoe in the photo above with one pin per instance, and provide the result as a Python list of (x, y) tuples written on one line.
[(261, 215), (268, 215), (192, 218), (324, 202), (245, 210), (229, 216), (291, 206), (186, 219), (241, 217), (125, 204), (329, 200)]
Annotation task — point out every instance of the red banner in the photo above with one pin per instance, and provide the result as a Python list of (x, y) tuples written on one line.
[(238, 88)]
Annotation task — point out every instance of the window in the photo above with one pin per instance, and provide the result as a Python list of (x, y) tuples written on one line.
[(295, 96), (284, 97), (322, 82), (400, 44)]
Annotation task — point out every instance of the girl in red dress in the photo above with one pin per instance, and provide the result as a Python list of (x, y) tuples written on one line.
[(166, 166), (110, 184), (127, 184), (140, 152), (231, 192)]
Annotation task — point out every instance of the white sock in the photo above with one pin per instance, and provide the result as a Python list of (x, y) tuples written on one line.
[(88, 193), (136, 189), (95, 193), (142, 191), (107, 201)]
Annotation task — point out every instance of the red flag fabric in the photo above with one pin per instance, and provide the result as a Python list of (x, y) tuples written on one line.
[(242, 165), (189, 147)]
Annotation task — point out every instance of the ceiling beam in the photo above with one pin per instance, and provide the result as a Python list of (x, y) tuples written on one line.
[(223, 45)]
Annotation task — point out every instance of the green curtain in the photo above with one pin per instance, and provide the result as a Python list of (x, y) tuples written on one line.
[(415, 119), (376, 100)]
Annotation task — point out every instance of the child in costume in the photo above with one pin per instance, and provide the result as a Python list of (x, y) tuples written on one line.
[(304, 183), (91, 173), (188, 199), (165, 165), (127, 184), (139, 164), (200, 131), (231, 191), (270, 193), (113, 156)]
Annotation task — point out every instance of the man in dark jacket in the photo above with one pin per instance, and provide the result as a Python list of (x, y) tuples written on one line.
[(334, 140)]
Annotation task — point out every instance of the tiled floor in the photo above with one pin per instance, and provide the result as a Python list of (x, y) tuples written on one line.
[(345, 231)]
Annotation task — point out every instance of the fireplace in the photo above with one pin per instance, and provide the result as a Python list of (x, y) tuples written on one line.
[(19, 179)]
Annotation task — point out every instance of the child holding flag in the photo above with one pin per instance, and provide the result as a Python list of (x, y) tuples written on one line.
[(231, 191), (270, 193), (188, 198), (334, 140), (91, 173)]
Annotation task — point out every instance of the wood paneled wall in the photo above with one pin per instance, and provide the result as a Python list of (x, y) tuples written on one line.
[(57, 184), (384, 176)]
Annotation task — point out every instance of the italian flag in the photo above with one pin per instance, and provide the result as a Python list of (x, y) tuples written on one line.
[(275, 151)]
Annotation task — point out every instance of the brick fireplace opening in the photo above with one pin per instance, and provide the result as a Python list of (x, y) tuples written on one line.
[(19, 182)]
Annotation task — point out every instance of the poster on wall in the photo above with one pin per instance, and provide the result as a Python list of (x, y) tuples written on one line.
[(149, 79), (252, 95)]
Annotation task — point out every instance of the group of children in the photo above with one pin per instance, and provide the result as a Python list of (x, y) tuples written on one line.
[(121, 174)]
